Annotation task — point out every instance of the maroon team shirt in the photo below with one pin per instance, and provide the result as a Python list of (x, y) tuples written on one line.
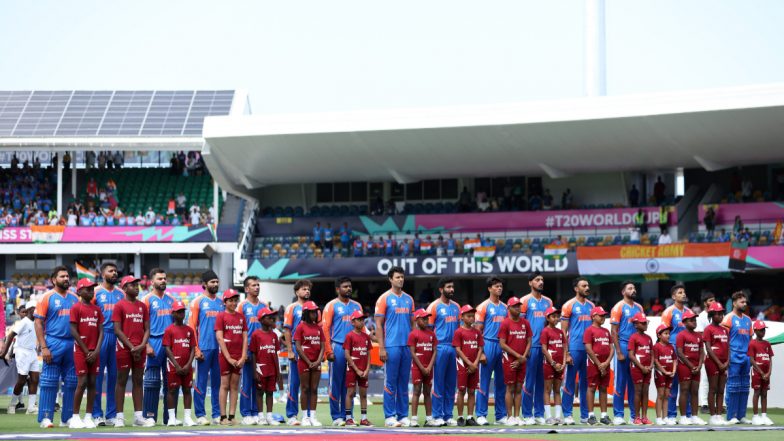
[(88, 318), (424, 342), (689, 343), (515, 333), (761, 351), (665, 355), (359, 345), (311, 336), (552, 340), (265, 346), (232, 325), (718, 339), (599, 339), (180, 339), (469, 341), (132, 317), (641, 345)]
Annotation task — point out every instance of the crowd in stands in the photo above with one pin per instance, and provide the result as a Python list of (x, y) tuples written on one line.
[(26, 194), (186, 164)]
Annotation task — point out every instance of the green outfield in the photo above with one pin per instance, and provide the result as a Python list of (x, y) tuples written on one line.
[(22, 423)]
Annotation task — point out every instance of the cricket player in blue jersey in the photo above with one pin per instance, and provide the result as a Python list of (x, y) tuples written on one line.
[(673, 317), (444, 318), (250, 308), (107, 294), (53, 331), (204, 309), (489, 315), (575, 319), (159, 305), (394, 320), (739, 370), (534, 304), (336, 324), (621, 329)]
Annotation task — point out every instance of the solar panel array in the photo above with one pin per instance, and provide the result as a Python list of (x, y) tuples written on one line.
[(109, 113)]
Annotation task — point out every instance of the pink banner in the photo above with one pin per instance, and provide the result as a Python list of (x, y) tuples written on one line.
[(540, 220), (16, 235), (756, 212), (59, 234), (770, 257)]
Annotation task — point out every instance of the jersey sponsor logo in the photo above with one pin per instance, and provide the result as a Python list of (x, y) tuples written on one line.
[(518, 334), (63, 312), (270, 349), (538, 314), (210, 313), (163, 312), (90, 321), (185, 342), (403, 310), (135, 317)]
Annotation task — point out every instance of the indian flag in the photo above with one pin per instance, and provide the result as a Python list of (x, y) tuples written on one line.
[(82, 272), (470, 244), (484, 254), (677, 258), (555, 252), (425, 246)]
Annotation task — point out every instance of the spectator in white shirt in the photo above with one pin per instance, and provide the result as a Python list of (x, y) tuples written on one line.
[(195, 216), (149, 217), (665, 238), (212, 217), (72, 219), (139, 219)]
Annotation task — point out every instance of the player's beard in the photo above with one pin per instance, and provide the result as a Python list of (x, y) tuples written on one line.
[(212, 289), (63, 285), (161, 287), (112, 280), (449, 295)]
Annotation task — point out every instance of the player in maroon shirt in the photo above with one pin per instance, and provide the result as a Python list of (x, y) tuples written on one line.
[(263, 353), (357, 348), (179, 341), (717, 359), (666, 364), (87, 332), (231, 332), (310, 341), (640, 351), (514, 338), (553, 364), (468, 343), (761, 355), (600, 352), (688, 346), (132, 327), (422, 344)]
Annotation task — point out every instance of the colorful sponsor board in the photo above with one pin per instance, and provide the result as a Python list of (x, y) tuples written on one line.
[(680, 258), (752, 212), (61, 234)]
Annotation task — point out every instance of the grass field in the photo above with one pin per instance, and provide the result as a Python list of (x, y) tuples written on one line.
[(21, 423)]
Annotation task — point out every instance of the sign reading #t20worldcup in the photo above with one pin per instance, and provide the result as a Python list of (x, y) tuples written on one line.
[(60, 234)]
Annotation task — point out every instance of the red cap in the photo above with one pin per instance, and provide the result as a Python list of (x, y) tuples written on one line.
[(759, 324), (178, 306), (639, 318), (687, 314), (550, 310), (466, 308), (419, 313), (598, 310), (310, 306), (128, 279), (661, 328), (230, 294), (512, 302), (263, 312), (715, 307), (85, 283), (357, 315)]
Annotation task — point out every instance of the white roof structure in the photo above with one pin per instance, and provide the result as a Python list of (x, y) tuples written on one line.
[(713, 129)]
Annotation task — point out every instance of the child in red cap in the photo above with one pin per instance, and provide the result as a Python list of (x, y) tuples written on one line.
[(263, 353), (132, 325), (87, 332), (717, 359), (179, 342), (422, 344), (640, 351), (468, 343), (310, 341), (688, 346), (761, 355), (666, 364), (514, 338), (600, 352), (553, 364), (357, 348), (231, 332)]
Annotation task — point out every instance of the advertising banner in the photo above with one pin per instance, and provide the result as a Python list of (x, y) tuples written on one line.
[(681, 258), (750, 213), (770, 257), (61, 234)]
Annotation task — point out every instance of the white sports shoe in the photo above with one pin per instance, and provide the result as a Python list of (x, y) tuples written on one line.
[(766, 421), (732, 422), (173, 422), (745, 420), (502, 421), (249, 421), (618, 421), (405, 422), (340, 422), (482, 421), (75, 423), (293, 421), (757, 420), (671, 421), (660, 422), (715, 420), (46, 423), (149, 422), (216, 421), (451, 422), (697, 421), (305, 422), (272, 421), (88, 423), (391, 422), (11, 409), (684, 421), (315, 422), (433, 422), (569, 421), (510, 421), (202, 421), (32, 410), (188, 422), (260, 420), (530, 421), (118, 422), (540, 421)]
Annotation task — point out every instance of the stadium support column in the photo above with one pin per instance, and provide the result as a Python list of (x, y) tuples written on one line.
[(595, 49), (215, 203), (73, 175), (59, 184)]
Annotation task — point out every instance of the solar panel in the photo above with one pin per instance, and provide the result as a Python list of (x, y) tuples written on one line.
[(109, 113)]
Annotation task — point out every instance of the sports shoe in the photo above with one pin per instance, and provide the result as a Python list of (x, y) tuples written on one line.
[(569, 421), (413, 423), (339, 422), (723, 421), (404, 422), (605, 420), (149, 422), (757, 420), (460, 421), (249, 421), (88, 423), (583, 420), (315, 422), (350, 423), (646, 421), (745, 420), (203, 421), (451, 422), (549, 422), (11, 409), (592, 421), (188, 422), (530, 421), (139, 421), (305, 422), (714, 420), (502, 421), (684, 421), (118, 422), (46, 423), (511, 421), (32, 410), (732, 422), (637, 421), (540, 421), (470, 421), (619, 421), (482, 421), (365, 423), (293, 422), (660, 422), (272, 421), (697, 421), (260, 419), (173, 422), (434, 422), (216, 420), (671, 421), (766, 421), (225, 422), (75, 423), (391, 422)]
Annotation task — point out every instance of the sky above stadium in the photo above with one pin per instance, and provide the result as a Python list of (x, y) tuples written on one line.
[(313, 56)]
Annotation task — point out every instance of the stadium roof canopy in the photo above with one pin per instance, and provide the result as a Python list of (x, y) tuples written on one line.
[(712, 129), (122, 119)]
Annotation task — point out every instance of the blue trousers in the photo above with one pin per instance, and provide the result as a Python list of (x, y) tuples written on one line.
[(292, 403), (494, 368), (737, 391), (533, 390), (624, 386), (444, 382), (397, 372), (208, 367), (108, 364), (337, 383), (248, 405), (60, 369), (155, 376), (578, 367)]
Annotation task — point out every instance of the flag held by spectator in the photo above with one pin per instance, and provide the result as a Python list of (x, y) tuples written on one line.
[(484, 254), (470, 244), (82, 272), (555, 251)]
